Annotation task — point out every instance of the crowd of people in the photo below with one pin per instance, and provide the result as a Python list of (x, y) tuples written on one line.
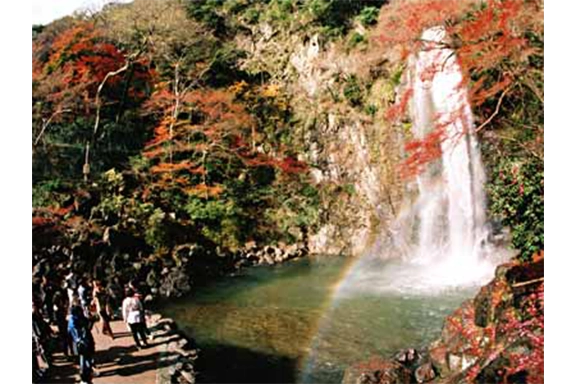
[(66, 308)]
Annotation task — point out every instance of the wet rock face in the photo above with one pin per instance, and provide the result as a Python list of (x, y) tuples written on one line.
[(424, 373), (484, 311), (407, 357), (525, 272), (378, 372)]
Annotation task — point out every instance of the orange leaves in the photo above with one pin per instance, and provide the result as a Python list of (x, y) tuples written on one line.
[(220, 111), (40, 221), (213, 138), (398, 109), (402, 23), (536, 257), (49, 216), (161, 100), (205, 190), (422, 152), (479, 94), (238, 87), (494, 35), (161, 135), (82, 52), (272, 90), (68, 68), (168, 167), (185, 165), (291, 165)]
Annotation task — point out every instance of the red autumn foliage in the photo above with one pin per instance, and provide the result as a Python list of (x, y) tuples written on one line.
[(422, 153), (50, 217), (518, 321), (193, 151), (69, 68), (399, 109), (291, 165)]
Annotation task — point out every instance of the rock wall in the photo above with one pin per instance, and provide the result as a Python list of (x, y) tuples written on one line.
[(352, 150)]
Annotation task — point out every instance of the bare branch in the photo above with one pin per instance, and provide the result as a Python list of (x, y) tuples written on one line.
[(493, 115), (47, 123)]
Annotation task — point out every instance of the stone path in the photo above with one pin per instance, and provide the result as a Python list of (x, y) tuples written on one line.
[(118, 361)]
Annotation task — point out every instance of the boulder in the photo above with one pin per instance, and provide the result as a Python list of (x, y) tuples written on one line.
[(424, 373), (378, 371)]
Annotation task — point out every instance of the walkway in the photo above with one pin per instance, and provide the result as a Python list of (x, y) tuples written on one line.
[(118, 361)]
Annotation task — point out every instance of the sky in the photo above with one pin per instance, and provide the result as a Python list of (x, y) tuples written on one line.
[(45, 11)]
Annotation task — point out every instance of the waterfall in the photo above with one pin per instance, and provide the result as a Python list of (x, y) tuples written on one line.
[(442, 235), (452, 229)]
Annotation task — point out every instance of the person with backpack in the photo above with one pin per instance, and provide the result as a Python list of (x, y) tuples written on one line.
[(79, 330), (133, 314)]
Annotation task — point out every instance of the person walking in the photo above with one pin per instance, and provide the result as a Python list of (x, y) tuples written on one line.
[(60, 313), (132, 312), (100, 300), (85, 295), (79, 330)]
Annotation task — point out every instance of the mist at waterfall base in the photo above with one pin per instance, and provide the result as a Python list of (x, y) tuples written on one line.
[(441, 239)]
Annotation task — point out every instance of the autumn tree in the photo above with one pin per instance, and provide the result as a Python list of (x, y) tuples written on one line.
[(77, 83)]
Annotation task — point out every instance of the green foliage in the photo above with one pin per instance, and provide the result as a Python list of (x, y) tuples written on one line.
[(513, 149), (295, 212), (225, 69), (396, 76), (368, 16), (208, 12), (48, 193), (235, 7), (353, 91), (252, 15), (516, 195), (371, 109), (208, 210), (356, 39), (349, 189), (336, 15), (157, 232)]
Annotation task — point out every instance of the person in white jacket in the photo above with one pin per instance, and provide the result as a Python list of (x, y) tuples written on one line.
[(132, 312)]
